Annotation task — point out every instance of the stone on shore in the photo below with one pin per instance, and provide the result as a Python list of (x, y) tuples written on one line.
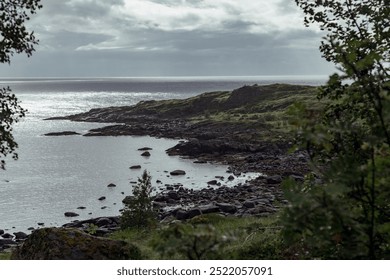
[(135, 167), (20, 235), (73, 244), (276, 179), (71, 214), (111, 185), (227, 208), (178, 172), (7, 236), (145, 154)]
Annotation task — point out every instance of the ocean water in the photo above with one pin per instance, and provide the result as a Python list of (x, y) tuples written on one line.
[(58, 174)]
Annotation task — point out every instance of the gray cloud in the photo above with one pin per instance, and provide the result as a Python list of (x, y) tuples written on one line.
[(170, 37)]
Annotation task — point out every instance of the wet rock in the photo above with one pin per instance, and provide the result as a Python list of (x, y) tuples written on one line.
[(102, 222), (30, 228), (81, 207), (145, 154), (231, 178), (227, 208), (1, 231), (7, 236), (71, 214), (73, 244), (20, 235), (6, 242), (135, 167), (111, 185), (178, 172), (207, 209), (181, 214), (41, 224), (276, 179), (102, 198), (212, 182)]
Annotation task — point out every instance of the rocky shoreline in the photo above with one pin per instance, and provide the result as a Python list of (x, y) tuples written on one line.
[(245, 146)]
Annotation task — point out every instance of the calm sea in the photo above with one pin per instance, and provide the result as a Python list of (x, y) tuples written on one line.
[(58, 174)]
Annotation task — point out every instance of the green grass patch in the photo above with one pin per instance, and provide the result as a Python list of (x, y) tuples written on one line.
[(5, 256), (210, 236)]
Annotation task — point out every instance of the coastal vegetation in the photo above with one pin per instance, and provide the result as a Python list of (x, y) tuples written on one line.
[(329, 145)]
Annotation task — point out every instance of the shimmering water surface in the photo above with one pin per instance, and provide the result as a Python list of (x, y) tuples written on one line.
[(58, 174)]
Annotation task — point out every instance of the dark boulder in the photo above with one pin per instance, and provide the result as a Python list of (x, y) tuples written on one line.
[(73, 244), (1, 231), (135, 167), (212, 182), (145, 154), (249, 204), (178, 172), (71, 214), (103, 222), (102, 198), (6, 242), (7, 236), (20, 235), (207, 209), (276, 179), (227, 208), (111, 185)]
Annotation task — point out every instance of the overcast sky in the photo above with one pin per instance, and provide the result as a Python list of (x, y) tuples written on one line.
[(170, 38)]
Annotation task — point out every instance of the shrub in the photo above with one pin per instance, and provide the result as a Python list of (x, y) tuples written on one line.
[(138, 211)]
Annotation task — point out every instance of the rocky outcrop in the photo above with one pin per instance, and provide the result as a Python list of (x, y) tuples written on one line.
[(63, 133), (73, 244)]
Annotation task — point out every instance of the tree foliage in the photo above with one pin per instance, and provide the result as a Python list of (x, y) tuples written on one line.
[(138, 211), (343, 208), (14, 38)]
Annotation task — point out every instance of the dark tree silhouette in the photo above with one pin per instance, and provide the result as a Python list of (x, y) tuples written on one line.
[(14, 39)]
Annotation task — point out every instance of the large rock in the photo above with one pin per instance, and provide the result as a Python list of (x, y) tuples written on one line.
[(187, 214), (73, 244), (20, 235), (70, 214), (178, 172), (227, 208), (276, 179)]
